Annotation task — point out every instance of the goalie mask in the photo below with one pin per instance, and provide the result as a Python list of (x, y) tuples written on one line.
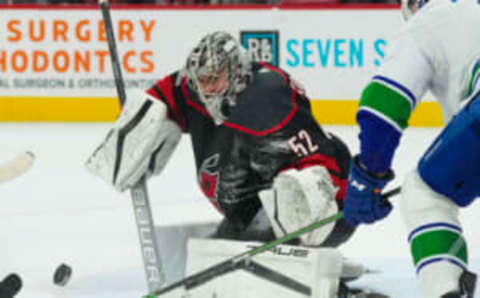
[(410, 7), (218, 69)]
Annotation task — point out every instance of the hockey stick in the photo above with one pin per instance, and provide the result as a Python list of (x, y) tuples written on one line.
[(241, 260), (16, 167), (139, 193)]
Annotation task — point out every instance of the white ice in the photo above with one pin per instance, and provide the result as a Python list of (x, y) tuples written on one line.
[(58, 213)]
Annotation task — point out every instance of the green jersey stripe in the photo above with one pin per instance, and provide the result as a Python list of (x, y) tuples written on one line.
[(388, 102), (438, 243), (397, 87), (474, 78)]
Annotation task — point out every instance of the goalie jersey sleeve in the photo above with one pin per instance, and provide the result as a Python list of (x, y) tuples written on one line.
[(169, 91)]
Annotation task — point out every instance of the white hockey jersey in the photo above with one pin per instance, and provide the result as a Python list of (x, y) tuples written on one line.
[(437, 50)]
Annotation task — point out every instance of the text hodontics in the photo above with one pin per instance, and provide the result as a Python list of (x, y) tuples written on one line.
[(61, 61)]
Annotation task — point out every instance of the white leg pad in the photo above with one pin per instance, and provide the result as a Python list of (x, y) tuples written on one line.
[(317, 269), (172, 244), (420, 205), (439, 278), (424, 211)]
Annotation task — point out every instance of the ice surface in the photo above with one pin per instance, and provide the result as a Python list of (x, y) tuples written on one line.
[(58, 213)]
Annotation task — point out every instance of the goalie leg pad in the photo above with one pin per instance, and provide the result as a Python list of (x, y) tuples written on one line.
[(284, 271), (172, 243), (299, 198), (140, 143), (450, 165), (437, 245)]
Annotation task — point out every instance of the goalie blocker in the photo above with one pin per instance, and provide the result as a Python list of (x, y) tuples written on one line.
[(140, 143)]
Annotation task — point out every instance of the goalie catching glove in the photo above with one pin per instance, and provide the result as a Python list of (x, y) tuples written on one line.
[(299, 198), (140, 143)]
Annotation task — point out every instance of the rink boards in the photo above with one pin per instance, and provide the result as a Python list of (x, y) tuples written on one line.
[(56, 66)]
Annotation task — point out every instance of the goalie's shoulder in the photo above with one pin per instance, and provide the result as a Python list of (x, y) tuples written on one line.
[(266, 105), (169, 91)]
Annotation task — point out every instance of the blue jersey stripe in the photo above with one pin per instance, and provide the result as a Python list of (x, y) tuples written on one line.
[(439, 259), (433, 225)]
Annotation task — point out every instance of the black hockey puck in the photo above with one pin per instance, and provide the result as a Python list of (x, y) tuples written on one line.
[(62, 275), (10, 286)]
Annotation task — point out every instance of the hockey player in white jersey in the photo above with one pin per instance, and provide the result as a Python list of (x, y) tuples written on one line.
[(438, 49)]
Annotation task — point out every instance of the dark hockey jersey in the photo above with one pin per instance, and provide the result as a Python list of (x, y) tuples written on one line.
[(270, 129)]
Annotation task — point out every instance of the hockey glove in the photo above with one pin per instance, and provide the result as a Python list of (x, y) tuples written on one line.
[(363, 203), (140, 143)]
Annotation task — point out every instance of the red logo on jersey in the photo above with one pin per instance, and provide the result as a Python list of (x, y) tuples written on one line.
[(208, 179), (208, 184)]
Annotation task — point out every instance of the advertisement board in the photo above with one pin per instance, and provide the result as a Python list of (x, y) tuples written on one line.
[(55, 63)]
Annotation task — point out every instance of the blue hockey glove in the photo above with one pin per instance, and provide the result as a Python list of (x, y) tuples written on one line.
[(363, 203)]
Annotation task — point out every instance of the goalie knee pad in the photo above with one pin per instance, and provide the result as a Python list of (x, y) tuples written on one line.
[(450, 165)]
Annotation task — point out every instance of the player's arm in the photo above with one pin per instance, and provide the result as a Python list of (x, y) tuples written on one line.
[(388, 101), (142, 139), (384, 110)]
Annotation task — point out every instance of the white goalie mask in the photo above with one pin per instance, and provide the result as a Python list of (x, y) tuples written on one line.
[(410, 7), (218, 69)]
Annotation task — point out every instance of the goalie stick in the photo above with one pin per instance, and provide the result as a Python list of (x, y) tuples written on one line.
[(139, 193), (16, 167), (243, 259)]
